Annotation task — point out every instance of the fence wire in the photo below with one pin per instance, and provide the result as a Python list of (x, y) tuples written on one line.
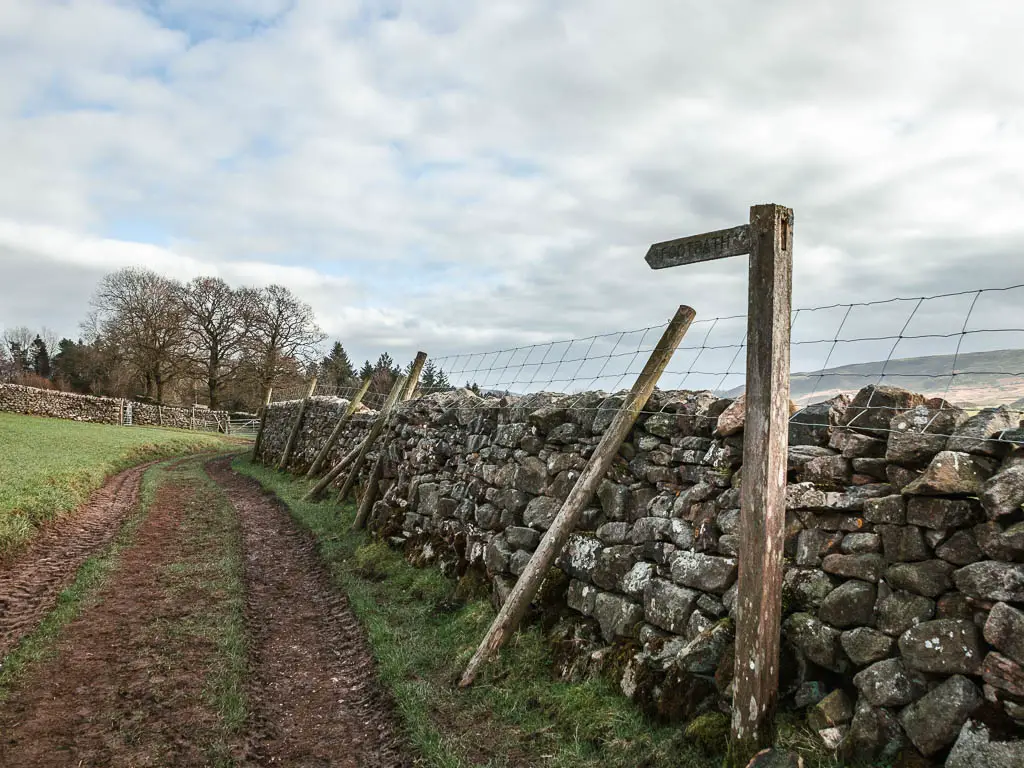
[(963, 351)]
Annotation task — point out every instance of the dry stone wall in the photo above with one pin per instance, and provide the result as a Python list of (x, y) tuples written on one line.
[(15, 398), (904, 582)]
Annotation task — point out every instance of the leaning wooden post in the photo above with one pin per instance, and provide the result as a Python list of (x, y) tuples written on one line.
[(263, 423), (370, 492), (353, 406), (414, 376), (371, 437), (557, 535), (294, 434), (763, 505)]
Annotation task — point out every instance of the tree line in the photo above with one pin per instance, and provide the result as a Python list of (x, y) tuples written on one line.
[(157, 339)]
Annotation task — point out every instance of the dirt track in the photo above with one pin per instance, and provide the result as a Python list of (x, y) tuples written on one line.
[(128, 683), (30, 584)]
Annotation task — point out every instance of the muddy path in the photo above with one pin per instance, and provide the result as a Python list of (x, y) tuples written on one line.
[(32, 580), (314, 693), (141, 676), (125, 683)]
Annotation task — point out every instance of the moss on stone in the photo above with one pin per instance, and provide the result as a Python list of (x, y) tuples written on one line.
[(709, 731)]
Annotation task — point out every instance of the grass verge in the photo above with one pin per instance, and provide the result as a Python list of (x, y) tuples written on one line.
[(82, 592), (210, 575), (50, 466), (422, 634)]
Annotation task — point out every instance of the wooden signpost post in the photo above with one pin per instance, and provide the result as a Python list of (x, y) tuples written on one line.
[(769, 241)]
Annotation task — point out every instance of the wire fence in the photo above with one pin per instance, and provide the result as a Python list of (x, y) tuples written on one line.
[(962, 350)]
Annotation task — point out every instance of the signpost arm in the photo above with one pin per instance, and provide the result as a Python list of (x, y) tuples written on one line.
[(763, 507)]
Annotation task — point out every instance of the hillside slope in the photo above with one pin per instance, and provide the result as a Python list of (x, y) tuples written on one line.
[(983, 378)]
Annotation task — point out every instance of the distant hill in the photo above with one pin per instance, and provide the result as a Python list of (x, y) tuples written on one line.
[(986, 378)]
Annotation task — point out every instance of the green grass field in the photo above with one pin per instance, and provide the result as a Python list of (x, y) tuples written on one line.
[(50, 466)]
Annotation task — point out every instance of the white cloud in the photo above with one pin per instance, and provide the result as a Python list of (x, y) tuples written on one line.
[(449, 175)]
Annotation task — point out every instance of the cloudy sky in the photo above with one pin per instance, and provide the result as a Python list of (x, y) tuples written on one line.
[(455, 175)]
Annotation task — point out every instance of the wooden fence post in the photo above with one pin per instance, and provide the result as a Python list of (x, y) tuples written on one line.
[(368, 441), (763, 504), (294, 434), (512, 612), (372, 486), (353, 406), (263, 423)]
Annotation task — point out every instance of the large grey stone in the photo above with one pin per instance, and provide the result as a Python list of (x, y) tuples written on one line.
[(851, 604), (834, 709), (1004, 630), (704, 652), (990, 580), (582, 597), (938, 513), (816, 640), (618, 616), (807, 587), (874, 733), (887, 509), (974, 748), (920, 433), (1003, 493), (943, 646), (619, 532), (540, 512), (950, 472), (707, 573), (579, 556), (900, 611), (864, 567), (903, 543), (522, 538), (614, 499), (890, 683), (530, 476), (828, 471), (960, 549), (934, 721), (812, 424), (667, 605), (874, 407), (634, 582), (929, 578), (509, 435), (865, 646), (853, 445), (613, 563), (974, 435), (815, 543)]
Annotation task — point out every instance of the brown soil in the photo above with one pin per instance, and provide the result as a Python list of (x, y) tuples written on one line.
[(128, 681), (314, 693), (121, 689), (31, 582)]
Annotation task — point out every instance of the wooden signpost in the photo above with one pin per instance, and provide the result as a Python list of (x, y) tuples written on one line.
[(769, 241)]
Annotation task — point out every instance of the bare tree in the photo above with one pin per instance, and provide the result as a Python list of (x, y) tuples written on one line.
[(18, 341), (284, 331), (140, 316), (219, 319)]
